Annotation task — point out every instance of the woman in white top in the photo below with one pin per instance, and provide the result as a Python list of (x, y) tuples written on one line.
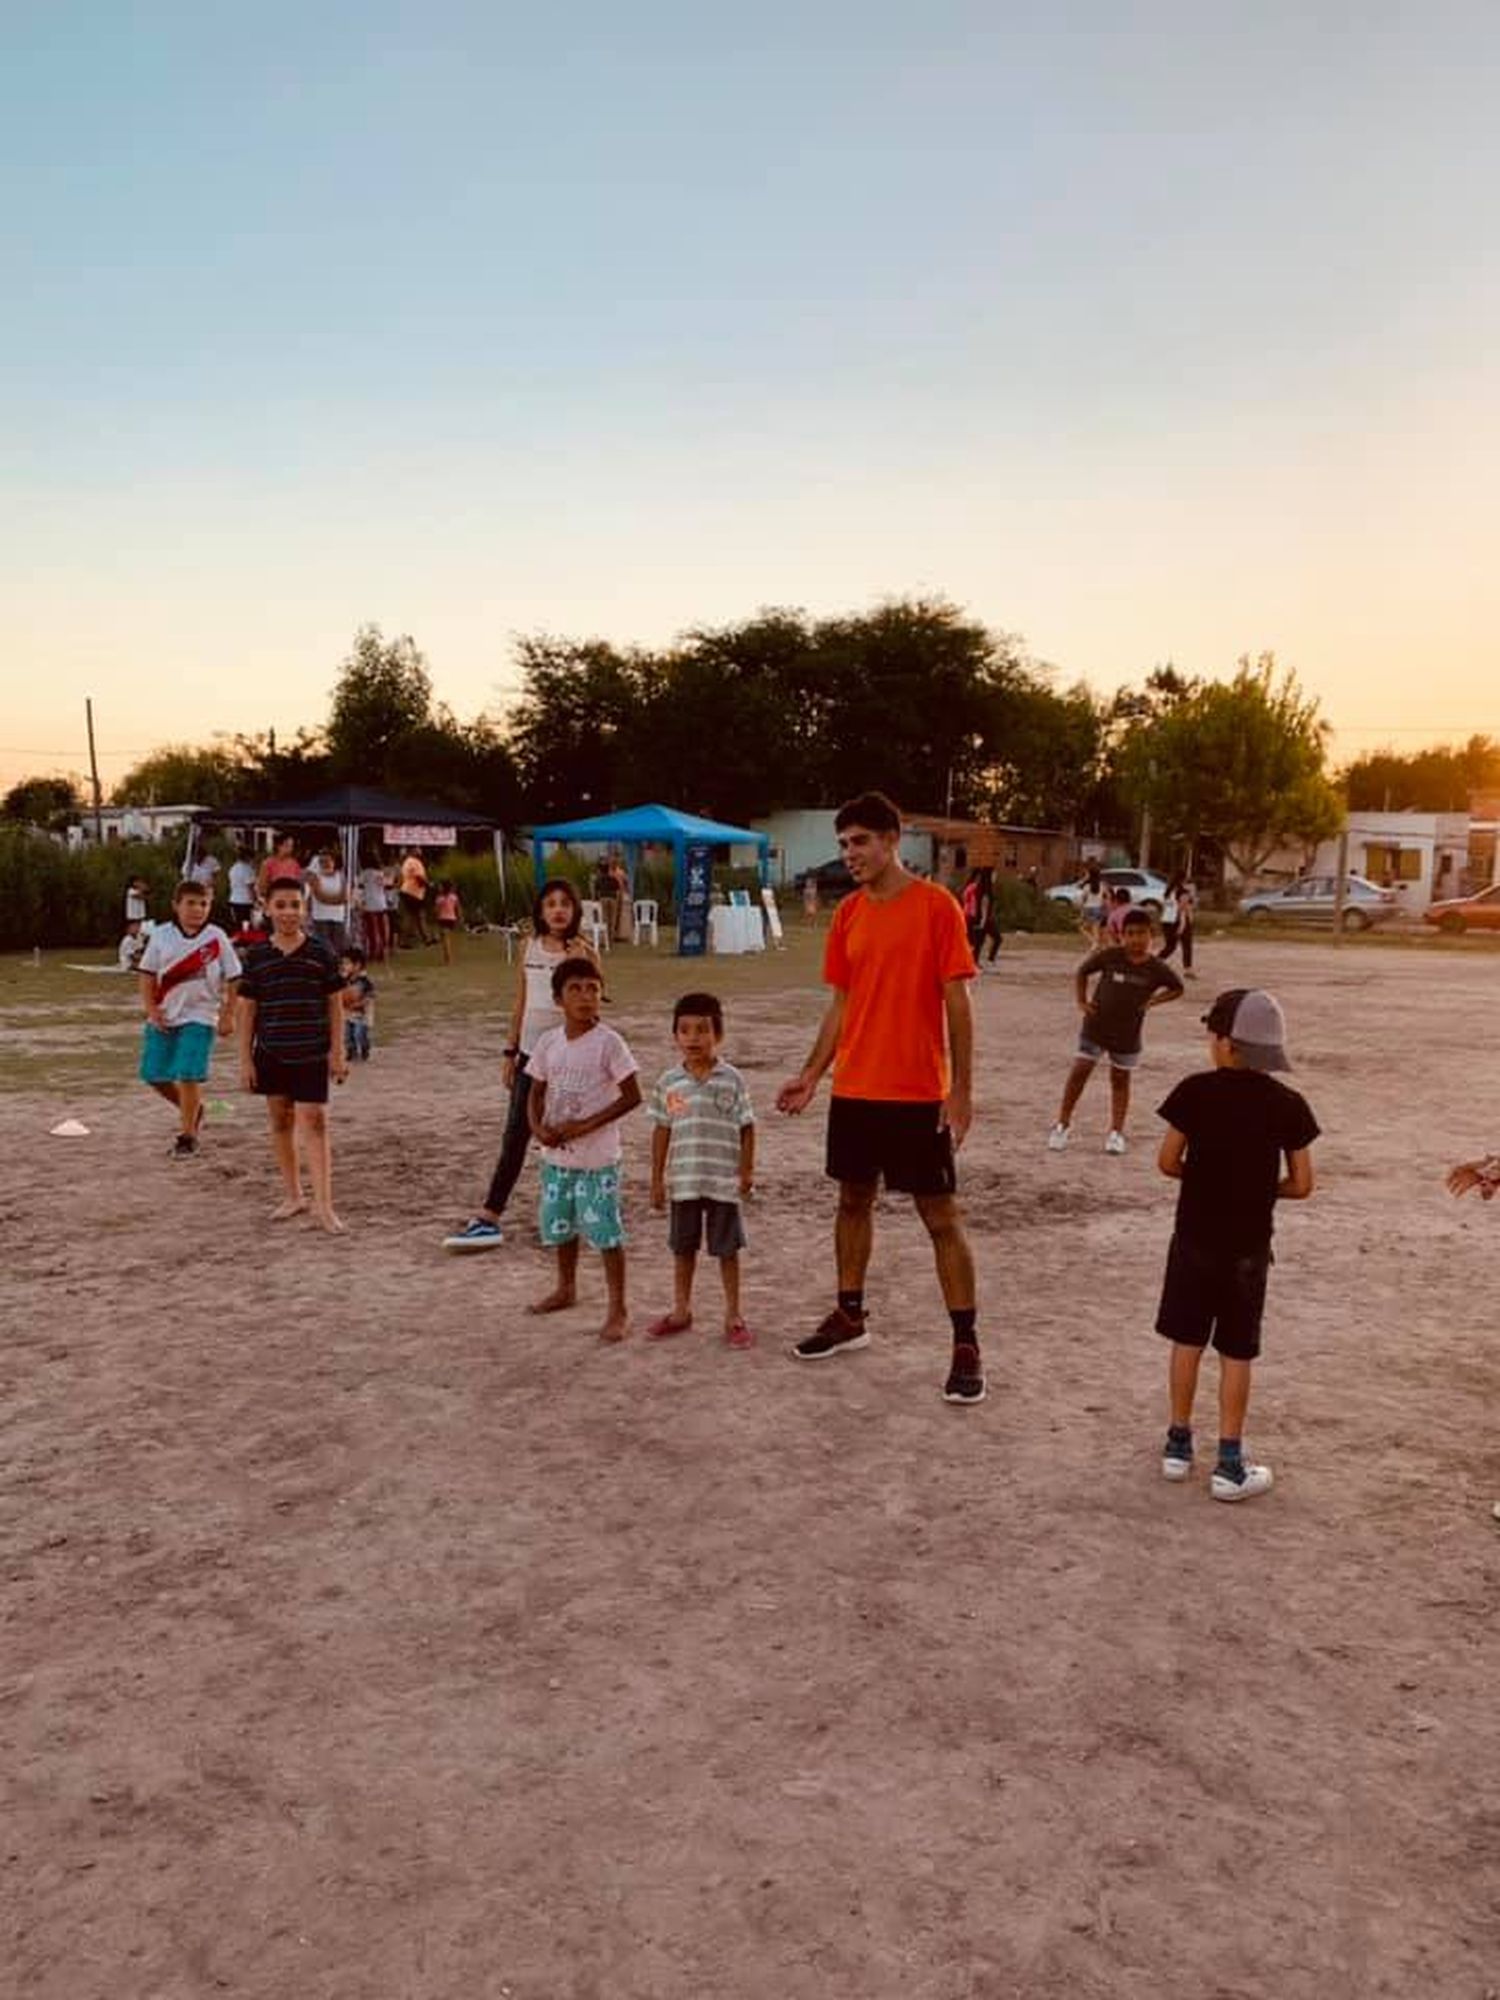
[(375, 912), (327, 901), (555, 918), (1177, 920)]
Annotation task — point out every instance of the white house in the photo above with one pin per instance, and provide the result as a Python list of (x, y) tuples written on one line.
[(801, 840), (132, 823), (1422, 856)]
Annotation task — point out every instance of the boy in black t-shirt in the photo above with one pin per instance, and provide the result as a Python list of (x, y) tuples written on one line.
[(1128, 981), (291, 1034), (1228, 1130)]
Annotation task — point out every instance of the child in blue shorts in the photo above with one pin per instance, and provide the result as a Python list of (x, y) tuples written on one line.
[(187, 979), (583, 1081)]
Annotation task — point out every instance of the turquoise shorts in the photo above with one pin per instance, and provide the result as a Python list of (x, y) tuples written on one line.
[(581, 1201), (176, 1055)]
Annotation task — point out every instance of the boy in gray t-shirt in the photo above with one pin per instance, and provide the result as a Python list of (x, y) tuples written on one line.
[(1128, 982)]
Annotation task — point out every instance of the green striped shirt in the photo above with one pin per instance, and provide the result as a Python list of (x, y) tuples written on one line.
[(705, 1116)]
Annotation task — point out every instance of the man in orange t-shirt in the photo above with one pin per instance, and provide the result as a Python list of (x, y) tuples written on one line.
[(900, 1036)]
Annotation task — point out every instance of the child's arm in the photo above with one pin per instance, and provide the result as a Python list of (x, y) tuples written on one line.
[(146, 982), (245, 1032), (661, 1143), (337, 1062), (1297, 1183), (226, 1007), (747, 1159), (1173, 1147), (579, 1128), (1482, 1174), (536, 1111)]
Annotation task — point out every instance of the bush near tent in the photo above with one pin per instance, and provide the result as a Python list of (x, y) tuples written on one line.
[(74, 897)]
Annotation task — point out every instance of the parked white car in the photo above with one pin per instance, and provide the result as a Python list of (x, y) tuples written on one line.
[(1146, 888)]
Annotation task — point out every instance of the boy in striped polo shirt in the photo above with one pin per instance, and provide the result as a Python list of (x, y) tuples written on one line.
[(291, 1033), (703, 1158)]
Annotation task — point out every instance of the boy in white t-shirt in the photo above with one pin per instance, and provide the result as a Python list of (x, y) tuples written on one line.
[(583, 1081), (187, 978)]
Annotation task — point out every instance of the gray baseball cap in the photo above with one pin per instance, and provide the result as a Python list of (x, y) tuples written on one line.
[(1254, 1022)]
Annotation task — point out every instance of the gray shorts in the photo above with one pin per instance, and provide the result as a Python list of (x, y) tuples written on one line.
[(1091, 1052), (691, 1221)]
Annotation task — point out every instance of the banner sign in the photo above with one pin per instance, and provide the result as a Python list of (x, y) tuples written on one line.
[(420, 836), (773, 915), (692, 902)]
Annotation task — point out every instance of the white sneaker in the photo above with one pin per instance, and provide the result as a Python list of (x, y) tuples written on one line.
[(1115, 1143), (1254, 1479), (1057, 1139)]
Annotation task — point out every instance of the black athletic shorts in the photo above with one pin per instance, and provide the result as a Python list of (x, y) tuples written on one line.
[(905, 1145), (302, 1082), (1216, 1295)]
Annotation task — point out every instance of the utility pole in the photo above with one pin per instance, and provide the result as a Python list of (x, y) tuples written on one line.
[(88, 711)]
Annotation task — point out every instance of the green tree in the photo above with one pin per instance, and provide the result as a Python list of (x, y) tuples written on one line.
[(49, 803), (383, 694), (180, 775), (1239, 762), (1439, 779), (571, 732)]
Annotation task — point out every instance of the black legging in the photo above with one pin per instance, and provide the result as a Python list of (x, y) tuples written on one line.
[(1173, 935), (514, 1145)]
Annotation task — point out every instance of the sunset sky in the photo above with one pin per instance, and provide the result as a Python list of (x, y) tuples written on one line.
[(1149, 332)]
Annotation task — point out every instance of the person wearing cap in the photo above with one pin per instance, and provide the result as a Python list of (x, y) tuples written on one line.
[(1128, 981), (1230, 1130)]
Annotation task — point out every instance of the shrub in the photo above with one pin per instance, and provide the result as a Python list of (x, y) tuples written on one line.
[(52, 895)]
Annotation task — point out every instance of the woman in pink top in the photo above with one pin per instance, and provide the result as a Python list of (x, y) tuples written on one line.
[(449, 911)]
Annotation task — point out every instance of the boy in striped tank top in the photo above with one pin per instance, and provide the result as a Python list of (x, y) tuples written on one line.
[(703, 1159)]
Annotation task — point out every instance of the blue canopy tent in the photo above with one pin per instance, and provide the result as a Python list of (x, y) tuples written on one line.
[(659, 826)]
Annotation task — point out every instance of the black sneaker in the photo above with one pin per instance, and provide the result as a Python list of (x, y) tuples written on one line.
[(840, 1333), (965, 1383), (184, 1146)]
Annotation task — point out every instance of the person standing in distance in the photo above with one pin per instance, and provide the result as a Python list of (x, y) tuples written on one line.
[(899, 1034)]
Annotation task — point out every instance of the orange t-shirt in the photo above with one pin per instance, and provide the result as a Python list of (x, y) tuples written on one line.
[(891, 960)]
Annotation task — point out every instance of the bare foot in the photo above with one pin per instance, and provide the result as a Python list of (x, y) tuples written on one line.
[(555, 1302), (326, 1219), (616, 1327), (284, 1211)]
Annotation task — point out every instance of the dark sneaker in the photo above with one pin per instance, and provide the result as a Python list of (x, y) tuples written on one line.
[(1177, 1455), (184, 1146), (965, 1383), (840, 1333), (480, 1234)]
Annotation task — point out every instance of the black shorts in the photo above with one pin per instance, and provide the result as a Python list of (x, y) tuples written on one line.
[(302, 1082), (719, 1221), (1214, 1294), (905, 1145)]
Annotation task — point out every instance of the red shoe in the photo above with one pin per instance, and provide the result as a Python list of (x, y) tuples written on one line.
[(666, 1324), (737, 1334)]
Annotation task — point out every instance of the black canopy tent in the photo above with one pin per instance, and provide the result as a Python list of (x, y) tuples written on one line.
[(352, 810)]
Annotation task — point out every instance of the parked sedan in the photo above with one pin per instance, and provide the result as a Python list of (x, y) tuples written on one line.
[(832, 877), (1467, 913), (1311, 901), (1146, 888)]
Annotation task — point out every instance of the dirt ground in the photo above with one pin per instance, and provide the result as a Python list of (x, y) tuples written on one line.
[(364, 1639)]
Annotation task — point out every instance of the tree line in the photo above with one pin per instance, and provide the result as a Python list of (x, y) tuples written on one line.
[(783, 710)]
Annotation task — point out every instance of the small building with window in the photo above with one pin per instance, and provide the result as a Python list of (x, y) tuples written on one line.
[(1422, 856)]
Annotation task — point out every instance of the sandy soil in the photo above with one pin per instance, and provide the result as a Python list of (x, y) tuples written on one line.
[(364, 1639)]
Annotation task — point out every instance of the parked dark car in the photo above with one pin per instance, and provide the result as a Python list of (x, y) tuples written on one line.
[(832, 877), (1480, 912)]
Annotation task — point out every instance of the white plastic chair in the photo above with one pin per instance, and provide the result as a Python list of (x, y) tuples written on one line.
[(645, 920), (592, 926)]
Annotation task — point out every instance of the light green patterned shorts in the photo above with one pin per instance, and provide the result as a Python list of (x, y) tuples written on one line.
[(582, 1201)]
